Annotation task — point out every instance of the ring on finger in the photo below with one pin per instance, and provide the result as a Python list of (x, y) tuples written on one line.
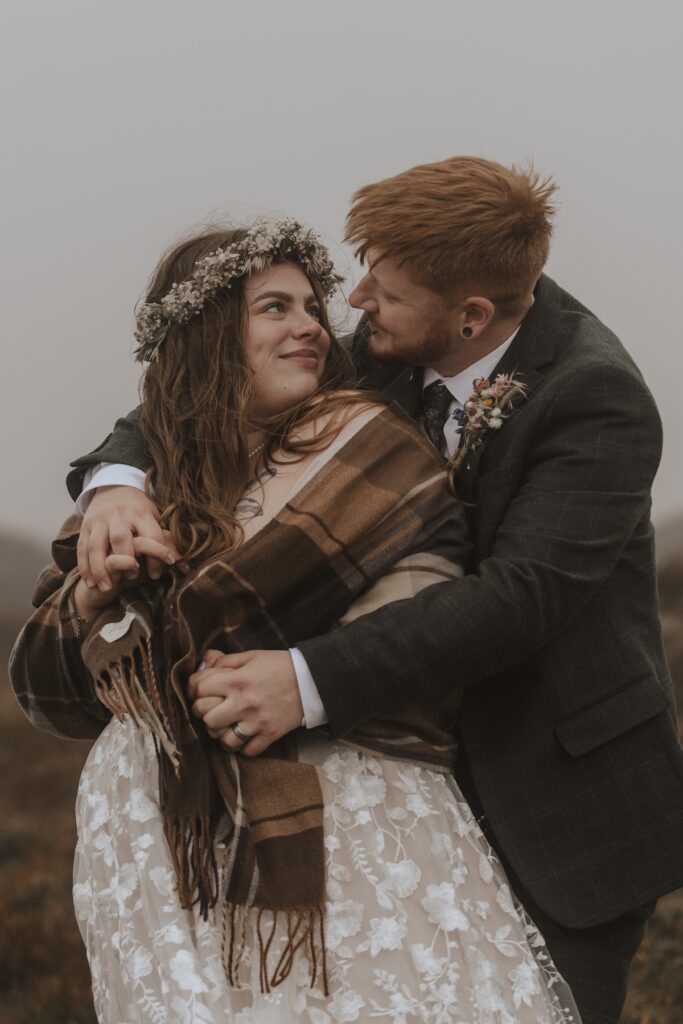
[(243, 737)]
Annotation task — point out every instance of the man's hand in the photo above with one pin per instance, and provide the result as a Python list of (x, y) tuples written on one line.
[(257, 690), (120, 568), (113, 519)]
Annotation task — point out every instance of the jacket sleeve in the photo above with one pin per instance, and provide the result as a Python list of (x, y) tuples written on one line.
[(125, 444), (46, 671), (585, 491)]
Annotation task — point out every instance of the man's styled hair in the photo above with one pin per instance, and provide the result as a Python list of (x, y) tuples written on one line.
[(459, 224)]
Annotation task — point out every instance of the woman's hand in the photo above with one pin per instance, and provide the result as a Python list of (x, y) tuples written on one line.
[(115, 518), (256, 690), (121, 570)]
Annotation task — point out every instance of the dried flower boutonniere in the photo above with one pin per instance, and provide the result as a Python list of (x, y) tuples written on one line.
[(486, 409)]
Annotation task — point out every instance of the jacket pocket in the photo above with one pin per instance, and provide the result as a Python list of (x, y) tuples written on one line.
[(589, 728)]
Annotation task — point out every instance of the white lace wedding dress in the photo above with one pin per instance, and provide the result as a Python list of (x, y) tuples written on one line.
[(420, 922), (420, 925)]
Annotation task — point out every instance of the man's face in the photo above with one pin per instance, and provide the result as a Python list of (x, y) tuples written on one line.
[(408, 322)]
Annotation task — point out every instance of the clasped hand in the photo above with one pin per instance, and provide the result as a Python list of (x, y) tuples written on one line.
[(257, 690)]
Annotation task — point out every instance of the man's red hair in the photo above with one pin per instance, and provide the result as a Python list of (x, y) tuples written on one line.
[(459, 224)]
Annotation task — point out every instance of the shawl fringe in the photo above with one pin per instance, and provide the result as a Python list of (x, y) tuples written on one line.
[(128, 686), (304, 929), (191, 844)]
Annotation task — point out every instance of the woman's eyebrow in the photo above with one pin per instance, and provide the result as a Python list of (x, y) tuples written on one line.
[(285, 296)]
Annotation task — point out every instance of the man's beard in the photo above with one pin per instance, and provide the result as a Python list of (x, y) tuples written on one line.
[(430, 348)]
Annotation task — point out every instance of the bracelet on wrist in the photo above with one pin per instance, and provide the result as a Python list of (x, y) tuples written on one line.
[(80, 622)]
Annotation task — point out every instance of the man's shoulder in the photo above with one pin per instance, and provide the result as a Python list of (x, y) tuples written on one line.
[(586, 345)]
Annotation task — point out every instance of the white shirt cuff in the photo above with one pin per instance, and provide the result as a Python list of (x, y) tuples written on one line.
[(314, 710), (108, 474)]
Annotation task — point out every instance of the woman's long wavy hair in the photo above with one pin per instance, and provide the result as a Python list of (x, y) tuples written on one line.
[(195, 415)]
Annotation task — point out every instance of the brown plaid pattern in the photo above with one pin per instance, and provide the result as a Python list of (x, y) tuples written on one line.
[(379, 509)]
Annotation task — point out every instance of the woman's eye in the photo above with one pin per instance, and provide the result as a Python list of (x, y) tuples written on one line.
[(277, 307), (316, 312)]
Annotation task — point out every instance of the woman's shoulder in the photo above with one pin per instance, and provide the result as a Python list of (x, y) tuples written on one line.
[(337, 413), (343, 415)]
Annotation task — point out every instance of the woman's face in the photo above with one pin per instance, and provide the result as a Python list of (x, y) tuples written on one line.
[(286, 345)]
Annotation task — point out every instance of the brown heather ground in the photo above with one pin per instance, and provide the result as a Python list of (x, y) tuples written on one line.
[(43, 972), (44, 977)]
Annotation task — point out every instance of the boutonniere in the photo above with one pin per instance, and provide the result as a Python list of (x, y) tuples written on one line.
[(486, 409)]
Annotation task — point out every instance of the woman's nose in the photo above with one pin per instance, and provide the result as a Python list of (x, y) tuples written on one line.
[(307, 326)]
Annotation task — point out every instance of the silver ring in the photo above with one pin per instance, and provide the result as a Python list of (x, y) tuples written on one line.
[(239, 734)]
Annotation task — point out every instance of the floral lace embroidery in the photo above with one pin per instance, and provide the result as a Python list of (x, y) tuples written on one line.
[(421, 925)]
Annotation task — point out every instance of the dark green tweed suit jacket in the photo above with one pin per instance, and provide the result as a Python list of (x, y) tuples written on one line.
[(567, 720)]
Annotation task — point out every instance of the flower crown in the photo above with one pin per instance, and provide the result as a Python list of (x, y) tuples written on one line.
[(263, 244)]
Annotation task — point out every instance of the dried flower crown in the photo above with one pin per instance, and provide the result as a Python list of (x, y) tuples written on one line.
[(263, 244)]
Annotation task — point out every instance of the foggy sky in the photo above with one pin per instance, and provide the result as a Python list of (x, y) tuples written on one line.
[(126, 124)]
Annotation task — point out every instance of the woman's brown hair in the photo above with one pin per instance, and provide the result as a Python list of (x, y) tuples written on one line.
[(195, 399)]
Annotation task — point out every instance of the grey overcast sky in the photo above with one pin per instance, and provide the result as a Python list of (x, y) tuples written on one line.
[(124, 124)]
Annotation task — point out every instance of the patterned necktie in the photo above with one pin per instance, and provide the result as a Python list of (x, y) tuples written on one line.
[(436, 400)]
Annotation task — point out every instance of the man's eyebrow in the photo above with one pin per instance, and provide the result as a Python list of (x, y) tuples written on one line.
[(390, 293), (375, 263), (373, 275)]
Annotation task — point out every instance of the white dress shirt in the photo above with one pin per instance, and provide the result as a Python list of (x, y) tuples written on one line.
[(106, 474), (461, 387)]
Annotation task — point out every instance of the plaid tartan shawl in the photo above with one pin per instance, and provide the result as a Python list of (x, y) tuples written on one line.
[(377, 520)]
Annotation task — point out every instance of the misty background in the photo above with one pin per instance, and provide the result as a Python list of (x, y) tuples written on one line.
[(125, 125)]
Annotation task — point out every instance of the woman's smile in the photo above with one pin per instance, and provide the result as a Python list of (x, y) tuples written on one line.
[(304, 356), (286, 344)]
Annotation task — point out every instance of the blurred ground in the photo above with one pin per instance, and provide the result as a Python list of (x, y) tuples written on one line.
[(43, 972), (44, 977)]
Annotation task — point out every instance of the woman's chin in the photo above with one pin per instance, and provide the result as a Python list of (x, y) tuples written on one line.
[(273, 404)]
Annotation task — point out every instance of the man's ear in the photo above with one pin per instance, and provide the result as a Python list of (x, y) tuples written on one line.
[(477, 313)]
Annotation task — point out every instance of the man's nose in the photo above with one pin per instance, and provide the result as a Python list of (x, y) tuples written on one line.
[(360, 298)]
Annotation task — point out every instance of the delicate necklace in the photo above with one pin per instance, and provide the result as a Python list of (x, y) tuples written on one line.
[(256, 450)]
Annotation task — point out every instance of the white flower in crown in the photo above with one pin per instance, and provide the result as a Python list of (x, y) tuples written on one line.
[(262, 245)]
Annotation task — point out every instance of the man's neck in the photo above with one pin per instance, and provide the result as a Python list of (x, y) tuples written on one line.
[(470, 352)]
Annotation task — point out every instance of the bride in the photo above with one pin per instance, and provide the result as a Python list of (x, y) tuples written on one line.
[(326, 880)]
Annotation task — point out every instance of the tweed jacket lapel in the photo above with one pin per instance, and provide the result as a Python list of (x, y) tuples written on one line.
[(533, 348), (406, 390)]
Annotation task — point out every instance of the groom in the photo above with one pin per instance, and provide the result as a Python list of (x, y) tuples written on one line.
[(568, 752)]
